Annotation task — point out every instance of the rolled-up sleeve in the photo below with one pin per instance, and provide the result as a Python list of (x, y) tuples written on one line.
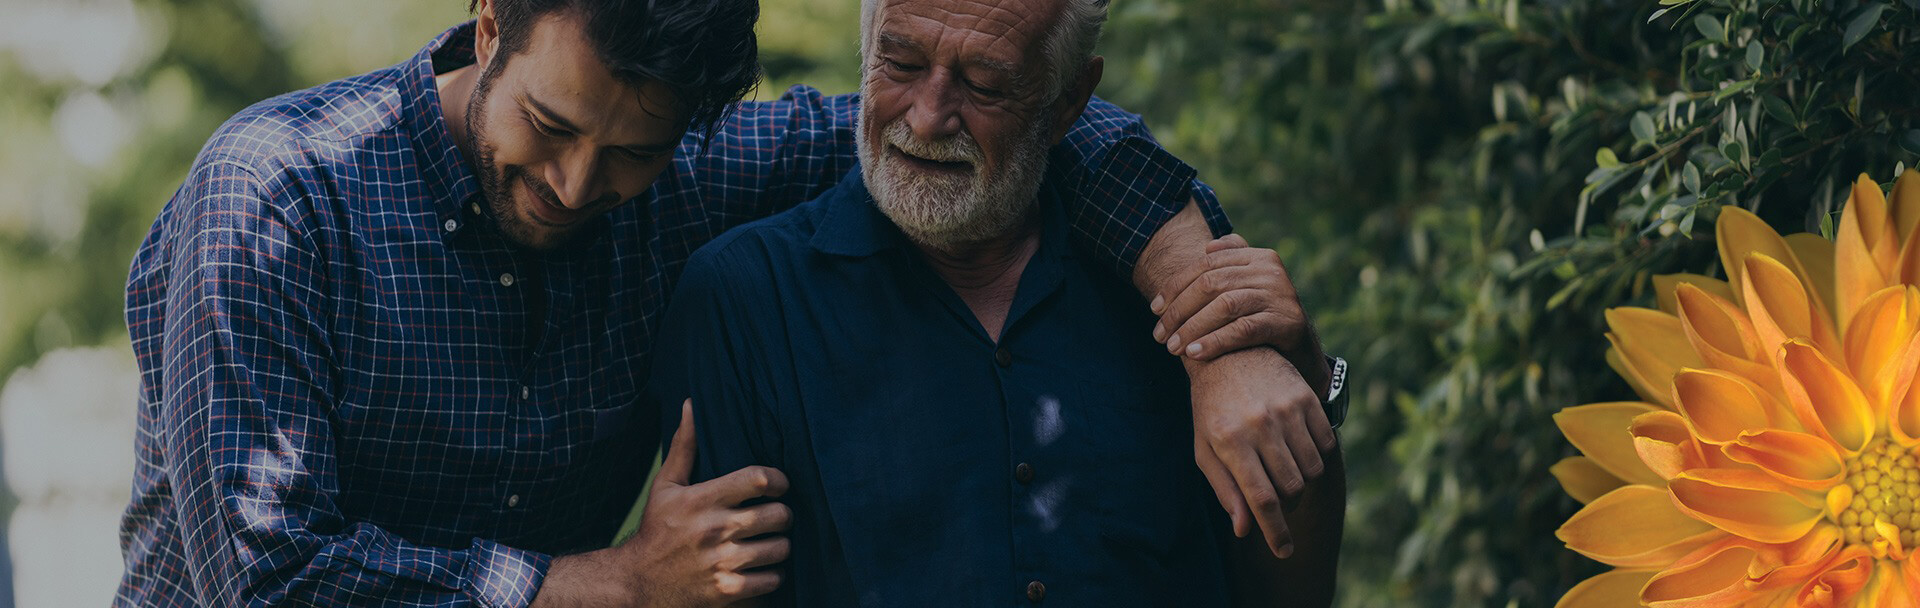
[(247, 390)]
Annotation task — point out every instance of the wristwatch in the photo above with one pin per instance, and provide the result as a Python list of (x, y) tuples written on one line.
[(1336, 403)]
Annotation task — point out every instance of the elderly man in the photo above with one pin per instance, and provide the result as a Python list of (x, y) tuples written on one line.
[(968, 412)]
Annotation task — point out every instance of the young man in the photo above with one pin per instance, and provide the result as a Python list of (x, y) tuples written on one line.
[(966, 410), (394, 330)]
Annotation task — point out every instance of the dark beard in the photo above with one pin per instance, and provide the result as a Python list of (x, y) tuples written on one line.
[(494, 180)]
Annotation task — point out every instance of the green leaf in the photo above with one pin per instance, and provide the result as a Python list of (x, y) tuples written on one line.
[(1690, 177), (1642, 125), (1862, 23), (1911, 141), (1733, 151), (1606, 159), (1673, 2), (1711, 28), (1662, 12), (1778, 109), (1755, 55)]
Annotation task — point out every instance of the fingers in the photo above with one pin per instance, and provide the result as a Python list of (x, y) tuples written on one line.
[(1299, 450), (759, 519), (677, 467), (1220, 272), (1223, 487), (736, 586), (747, 555), (1250, 471), (1231, 241), (746, 484)]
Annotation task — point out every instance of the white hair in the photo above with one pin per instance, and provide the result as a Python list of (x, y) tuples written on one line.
[(1067, 47)]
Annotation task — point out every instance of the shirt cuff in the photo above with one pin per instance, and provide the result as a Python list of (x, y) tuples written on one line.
[(1210, 208), (499, 576)]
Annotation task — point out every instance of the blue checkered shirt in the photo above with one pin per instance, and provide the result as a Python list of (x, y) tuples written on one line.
[(354, 391)]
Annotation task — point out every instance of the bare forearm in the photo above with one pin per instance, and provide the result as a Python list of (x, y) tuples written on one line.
[(1178, 245), (585, 580), (1307, 577)]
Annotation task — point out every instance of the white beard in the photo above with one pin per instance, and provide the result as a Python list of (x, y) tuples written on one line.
[(945, 212)]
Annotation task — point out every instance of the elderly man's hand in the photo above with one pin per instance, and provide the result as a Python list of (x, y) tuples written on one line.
[(1258, 434), (1238, 297), (1259, 430)]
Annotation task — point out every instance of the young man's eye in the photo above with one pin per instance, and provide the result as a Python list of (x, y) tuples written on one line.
[(548, 130)]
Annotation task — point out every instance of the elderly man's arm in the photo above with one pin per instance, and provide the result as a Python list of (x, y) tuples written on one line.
[(1259, 429)]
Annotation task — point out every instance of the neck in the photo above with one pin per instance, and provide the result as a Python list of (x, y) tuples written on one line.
[(456, 88), (986, 274)]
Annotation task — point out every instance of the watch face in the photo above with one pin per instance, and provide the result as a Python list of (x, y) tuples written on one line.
[(1336, 405)]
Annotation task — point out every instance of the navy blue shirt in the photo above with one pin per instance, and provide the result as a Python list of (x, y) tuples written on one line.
[(930, 465)]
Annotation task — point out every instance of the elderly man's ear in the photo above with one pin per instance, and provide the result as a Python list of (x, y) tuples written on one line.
[(1074, 100)]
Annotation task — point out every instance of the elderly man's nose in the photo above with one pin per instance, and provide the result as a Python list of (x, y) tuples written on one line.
[(936, 109)]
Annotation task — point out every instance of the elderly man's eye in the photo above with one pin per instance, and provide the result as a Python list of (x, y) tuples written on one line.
[(904, 67)]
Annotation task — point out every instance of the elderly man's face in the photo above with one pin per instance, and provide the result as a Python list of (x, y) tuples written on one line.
[(958, 113)]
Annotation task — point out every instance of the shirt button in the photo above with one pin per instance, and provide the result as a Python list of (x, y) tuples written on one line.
[(506, 279), (452, 225), (526, 393), (513, 501), (475, 207), (1003, 357), (1023, 473), (1036, 591)]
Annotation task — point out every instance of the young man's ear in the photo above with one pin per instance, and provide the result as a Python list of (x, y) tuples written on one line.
[(486, 34), (1073, 101)]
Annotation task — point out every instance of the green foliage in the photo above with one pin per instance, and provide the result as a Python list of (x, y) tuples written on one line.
[(1461, 187)]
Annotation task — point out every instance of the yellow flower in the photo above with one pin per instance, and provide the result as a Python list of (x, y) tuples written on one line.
[(1775, 459)]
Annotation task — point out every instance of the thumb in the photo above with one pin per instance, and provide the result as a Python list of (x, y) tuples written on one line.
[(677, 468)]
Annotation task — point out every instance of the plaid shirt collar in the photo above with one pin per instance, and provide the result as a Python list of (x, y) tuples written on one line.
[(442, 164)]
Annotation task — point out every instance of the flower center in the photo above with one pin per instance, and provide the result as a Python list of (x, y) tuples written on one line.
[(1885, 484)]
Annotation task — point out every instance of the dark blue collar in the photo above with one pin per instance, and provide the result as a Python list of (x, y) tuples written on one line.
[(852, 225), (441, 164)]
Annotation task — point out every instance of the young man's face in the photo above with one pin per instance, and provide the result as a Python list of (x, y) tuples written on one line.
[(557, 139)]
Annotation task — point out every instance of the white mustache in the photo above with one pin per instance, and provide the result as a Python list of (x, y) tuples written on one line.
[(957, 149)]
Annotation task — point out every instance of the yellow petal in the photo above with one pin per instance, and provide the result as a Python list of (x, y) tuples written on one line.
[(1664, 443), (1881, 329), (1784, 566), (1797, 459), (1713, 576), (1828, 403), (1886, 589), (1635, 527), (1658, 396), (1607, 590), (1719, 406), (1740, 232), (1840, 582), (1816, 259), (1905, 205), (1781, 308), (1748, 504), (1664, 285), (1601, 432), (1865, 253), (1583, 479), (1651, 342), (1720, 333)]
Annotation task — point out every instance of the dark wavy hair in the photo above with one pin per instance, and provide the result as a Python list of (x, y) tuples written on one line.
[(701, 50)]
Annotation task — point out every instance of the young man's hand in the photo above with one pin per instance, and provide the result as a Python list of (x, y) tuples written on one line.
[(1237, 297), (696, 546)]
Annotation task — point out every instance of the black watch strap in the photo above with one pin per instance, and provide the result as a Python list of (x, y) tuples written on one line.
[(1336, 403)]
